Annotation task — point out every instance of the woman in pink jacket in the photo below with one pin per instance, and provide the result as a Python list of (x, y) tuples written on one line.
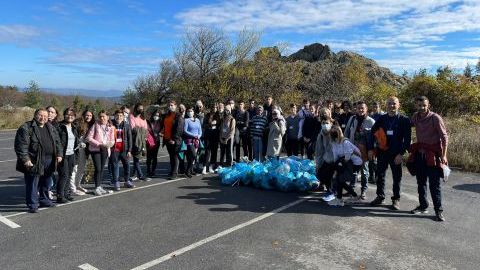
[(101, 139)]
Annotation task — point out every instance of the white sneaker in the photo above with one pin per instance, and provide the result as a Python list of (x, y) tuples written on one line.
[(210, 170), (105, 191), (204, 171), (78, 192), (98, 191), (134, 178), (336, 202)]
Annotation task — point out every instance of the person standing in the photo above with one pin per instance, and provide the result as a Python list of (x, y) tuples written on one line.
[(372, 163), (139, 127), (83, 125), (101, 137), (69, 139), (291, 142), (122, 150), (310, 131), (211, 125), (227, 133), (257, 128), (242, 119), (153, 142), (252, 111), (191, 133), (173, 124), (345, 115), (276, 131), (303, 114), (429, 155), (390, 139), (38, 149), (358, 131)]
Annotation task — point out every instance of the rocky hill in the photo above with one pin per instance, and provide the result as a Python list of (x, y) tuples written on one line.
[(320, 59)]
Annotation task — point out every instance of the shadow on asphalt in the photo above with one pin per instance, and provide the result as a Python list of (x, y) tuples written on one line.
[(468, 187), (12, 196), (249, 199)]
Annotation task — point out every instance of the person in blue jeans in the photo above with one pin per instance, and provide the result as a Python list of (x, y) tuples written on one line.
[(38, 147), (191, 134), (121, 151), (257, 128)]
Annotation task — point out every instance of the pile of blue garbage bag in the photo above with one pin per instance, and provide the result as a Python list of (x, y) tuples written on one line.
[(289, 174)]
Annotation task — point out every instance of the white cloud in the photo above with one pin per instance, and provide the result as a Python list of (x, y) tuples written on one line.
[(18, 33)]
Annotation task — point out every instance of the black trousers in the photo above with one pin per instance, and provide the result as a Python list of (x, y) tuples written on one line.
[(65, 172), (432, 174), (385, 159), (226, 152), (292, 146), (152, 159), (325, 175), (173, 154), (211, 150), (99, 160), (243, 142), (345, 174)]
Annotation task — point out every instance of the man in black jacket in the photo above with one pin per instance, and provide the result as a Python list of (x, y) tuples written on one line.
[(397, 130), (122, 150), (38, 149)]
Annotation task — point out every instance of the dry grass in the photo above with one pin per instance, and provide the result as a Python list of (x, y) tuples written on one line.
[(464, 143), (14, 118)]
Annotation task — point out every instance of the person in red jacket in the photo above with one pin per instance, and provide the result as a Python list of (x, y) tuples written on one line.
[(432, 141)]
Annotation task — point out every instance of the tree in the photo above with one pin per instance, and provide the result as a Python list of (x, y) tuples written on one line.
[(468, 72), (9, 96), (55, 102), (33, 98), (445, 73), (477, 67), (129, 96), (98, 106), (247, 43), (78, 103)]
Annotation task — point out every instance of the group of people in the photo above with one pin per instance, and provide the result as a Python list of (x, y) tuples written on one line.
[(347, 141)]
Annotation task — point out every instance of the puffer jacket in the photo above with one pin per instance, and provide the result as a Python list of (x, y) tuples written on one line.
[(95, 137), (28, 147)]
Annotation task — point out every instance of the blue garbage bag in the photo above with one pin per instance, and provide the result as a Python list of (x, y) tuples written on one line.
[(294, 164), (258, 173), (285, 182), (308, 166), (306, 181)]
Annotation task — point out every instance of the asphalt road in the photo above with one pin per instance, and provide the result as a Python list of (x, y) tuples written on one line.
[(199, 224)]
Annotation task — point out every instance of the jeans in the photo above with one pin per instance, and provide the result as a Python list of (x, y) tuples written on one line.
[(152, 159), (383, 161), (36, 187), (257, 145), (63, 183), (120, 156), (191, 154), (372, 170), (136, 167), (82, 158), (433, 175), (226, 150), (173, 154), (99, 160), (363, 177)]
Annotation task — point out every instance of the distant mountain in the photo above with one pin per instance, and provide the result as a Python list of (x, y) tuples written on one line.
[(84, 92)]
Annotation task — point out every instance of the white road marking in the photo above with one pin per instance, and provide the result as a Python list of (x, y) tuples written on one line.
[(103, 196), (10, 179), (218, 235), (7, 139), (9, 160), (8, 222), (7, 148), (87, 266)]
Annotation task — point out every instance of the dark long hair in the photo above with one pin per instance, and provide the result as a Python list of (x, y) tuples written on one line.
[(136, 113), (83, 126)]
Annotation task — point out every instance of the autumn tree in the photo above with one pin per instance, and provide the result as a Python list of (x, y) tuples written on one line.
[(33, 98)]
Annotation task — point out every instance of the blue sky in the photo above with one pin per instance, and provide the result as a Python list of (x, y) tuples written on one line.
[(106, 44)]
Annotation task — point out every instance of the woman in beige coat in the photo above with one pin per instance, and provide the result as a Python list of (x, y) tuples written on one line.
[(277, 130)]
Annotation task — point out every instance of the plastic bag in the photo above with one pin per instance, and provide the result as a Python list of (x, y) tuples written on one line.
[(446, 172)]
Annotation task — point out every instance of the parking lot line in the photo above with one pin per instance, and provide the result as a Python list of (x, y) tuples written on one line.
[(218, 235), (103, 196), (87, 266), (8, 222)]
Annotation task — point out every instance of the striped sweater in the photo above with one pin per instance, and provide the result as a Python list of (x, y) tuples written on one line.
[(258, 125)]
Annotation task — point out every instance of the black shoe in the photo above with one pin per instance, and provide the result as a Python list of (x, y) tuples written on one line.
[(46, 205), (377, 201), (33, 210), (172, 177), (440, 217), (62, 200), (70, 198), (188, 175), (419, 210)]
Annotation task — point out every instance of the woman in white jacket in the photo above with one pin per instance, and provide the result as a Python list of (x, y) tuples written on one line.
[(277, 129), (347, 159)]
